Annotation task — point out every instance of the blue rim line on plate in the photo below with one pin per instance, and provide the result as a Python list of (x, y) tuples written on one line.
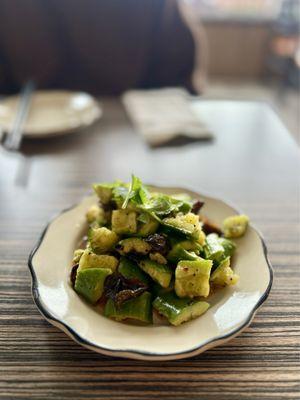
[(124, 353)]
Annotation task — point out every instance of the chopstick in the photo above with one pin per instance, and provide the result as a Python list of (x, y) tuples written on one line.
[(14, 137)]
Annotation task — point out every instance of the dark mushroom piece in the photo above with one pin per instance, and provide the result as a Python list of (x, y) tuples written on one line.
[(120, 289), (73, 274), (158, 243), (210, 227), (197, 206)]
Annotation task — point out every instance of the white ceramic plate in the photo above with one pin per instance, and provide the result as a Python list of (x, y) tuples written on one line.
[(232, 309), (52, 113)]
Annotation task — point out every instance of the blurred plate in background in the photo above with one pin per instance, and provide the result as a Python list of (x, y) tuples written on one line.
[(52, 112)]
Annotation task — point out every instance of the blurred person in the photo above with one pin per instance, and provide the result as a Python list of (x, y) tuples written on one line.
[(100, 46)]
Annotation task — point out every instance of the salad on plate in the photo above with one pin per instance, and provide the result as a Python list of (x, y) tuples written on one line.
[(150, 257)]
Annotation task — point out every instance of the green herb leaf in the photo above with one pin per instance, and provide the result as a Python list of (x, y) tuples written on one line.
[(162, 205), (157, 205), (120, 192), (133, 192)]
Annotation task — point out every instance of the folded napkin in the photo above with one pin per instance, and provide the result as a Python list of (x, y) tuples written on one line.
[(163, 114)]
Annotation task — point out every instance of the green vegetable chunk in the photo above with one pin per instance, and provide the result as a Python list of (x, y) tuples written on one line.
[(192, 278), (235, 226), (92, 260), (213, 249), (228, 246), (178, 253), (102, 239), (89, 283), (96, 214), (160, 273), (130, 270), (157, 290), (191, 246), (133, 245), (124, 222), (77, 255), (178, 310), (147, 225), (104, 191), (187, 225), (138, 309), (224, 275), (159, 258)]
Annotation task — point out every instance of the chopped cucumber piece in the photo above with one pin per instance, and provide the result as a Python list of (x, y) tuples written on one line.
[(148, 227), (96, 214), (224, 275), (157, 290), (137, 309), (191, 246), (178, 310), (92, 260), (89, 283), (159, 258), (123, 222), (228, 246), (131, 270), (201, 238), (161, 274), (133, 245), (103, 191), (235, 226), (102, 239), (178, 253), (77, 255), (192, 278), (213, 249), (186, 225)]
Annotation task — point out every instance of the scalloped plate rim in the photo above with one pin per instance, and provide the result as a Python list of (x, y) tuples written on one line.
[(146, 355)]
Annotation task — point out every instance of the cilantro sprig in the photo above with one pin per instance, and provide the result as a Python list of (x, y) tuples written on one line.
[(156, 204)]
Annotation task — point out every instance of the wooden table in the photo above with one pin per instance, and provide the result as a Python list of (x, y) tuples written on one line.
[(252, 162)]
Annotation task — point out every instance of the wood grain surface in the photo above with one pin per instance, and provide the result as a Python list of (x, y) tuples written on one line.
[(252, 162)]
